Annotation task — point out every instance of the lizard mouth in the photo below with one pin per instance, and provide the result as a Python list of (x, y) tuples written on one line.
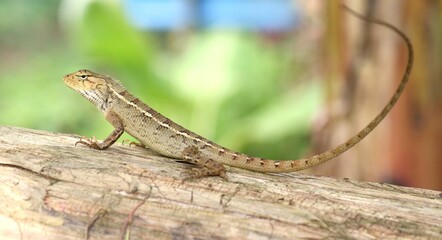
[(68, 80)]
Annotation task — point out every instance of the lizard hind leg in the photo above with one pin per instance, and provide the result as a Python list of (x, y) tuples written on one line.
[(207, 166)]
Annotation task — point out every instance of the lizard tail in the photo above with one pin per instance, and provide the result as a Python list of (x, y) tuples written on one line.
[(300, 164)]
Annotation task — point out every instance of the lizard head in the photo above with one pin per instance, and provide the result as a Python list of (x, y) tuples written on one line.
[(93, 86)]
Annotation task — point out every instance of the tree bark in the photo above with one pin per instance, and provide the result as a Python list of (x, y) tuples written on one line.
[(51, 189)]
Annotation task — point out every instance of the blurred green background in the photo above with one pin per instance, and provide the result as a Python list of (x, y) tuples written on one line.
[(241, 89)]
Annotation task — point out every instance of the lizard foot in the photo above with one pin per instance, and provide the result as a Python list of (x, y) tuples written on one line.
[(208, 166), (206, 172), (132, 143), (90, 142)]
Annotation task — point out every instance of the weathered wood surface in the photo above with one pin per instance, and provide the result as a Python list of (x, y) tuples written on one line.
[(51, 189)]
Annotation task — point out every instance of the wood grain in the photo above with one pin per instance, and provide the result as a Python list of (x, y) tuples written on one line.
[(50, 189)]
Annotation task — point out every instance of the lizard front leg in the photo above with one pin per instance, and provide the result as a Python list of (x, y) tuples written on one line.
[(209, 167), (111, 139)]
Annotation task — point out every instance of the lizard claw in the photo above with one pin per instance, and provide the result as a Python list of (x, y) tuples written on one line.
[(83, 140), (132, 143), (204, 172), (136, 144), (90, 142)]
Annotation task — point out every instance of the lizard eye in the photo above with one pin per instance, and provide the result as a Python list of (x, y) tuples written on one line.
[(82, 77)]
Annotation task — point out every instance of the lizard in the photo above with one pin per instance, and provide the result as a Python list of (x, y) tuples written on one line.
[(129, 114)]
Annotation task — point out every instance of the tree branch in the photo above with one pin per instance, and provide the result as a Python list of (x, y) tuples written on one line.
[(50, 189)]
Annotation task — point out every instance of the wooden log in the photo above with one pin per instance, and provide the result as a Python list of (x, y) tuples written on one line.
[(51, 189)]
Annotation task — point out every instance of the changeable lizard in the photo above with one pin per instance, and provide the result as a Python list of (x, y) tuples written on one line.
[(158, 133)]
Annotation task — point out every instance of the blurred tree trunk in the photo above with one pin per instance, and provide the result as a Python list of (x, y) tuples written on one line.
[(364, 64), (417, 153)]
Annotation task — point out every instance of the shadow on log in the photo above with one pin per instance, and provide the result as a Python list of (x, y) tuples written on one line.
[(51, 189)]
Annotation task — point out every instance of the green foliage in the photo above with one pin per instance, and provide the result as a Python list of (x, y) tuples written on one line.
[(107, 37), (236, 88), (21, 21)]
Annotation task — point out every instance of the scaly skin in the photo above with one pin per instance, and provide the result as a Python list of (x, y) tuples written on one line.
[(127, 113)]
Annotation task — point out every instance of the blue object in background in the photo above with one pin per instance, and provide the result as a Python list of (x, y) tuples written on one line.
[(270, 15), (159, 14)]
